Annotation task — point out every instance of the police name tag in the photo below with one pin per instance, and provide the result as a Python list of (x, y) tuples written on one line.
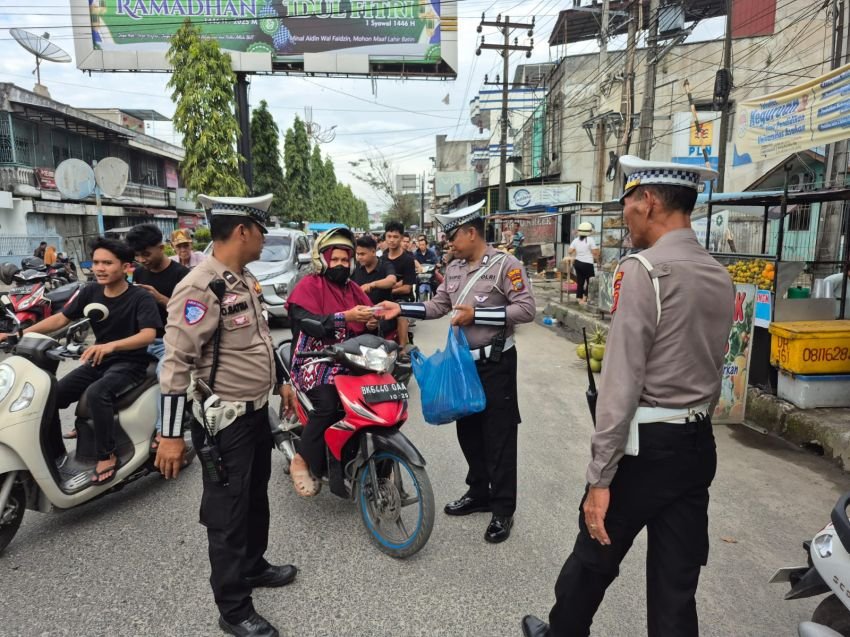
[(384, 393)]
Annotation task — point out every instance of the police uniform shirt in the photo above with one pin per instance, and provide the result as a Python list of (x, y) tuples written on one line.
[(246, 368), (676, 364), (501, 297)]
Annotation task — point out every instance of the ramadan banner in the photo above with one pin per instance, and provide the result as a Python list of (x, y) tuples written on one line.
[(283, 28), (809, 115)]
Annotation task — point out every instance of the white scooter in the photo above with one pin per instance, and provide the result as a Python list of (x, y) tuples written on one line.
[(29, 479), (827, 571)]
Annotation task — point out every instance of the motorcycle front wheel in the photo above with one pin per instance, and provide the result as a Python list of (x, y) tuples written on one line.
[(396, 504), (11, 516), (833, 613)]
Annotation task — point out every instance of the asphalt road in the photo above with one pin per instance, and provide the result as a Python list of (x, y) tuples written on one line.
[(134, 563)]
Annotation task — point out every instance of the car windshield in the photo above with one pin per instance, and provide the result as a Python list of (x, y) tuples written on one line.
[(276, 248)]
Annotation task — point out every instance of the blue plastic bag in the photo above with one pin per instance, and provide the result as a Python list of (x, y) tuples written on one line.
[(448, 381)]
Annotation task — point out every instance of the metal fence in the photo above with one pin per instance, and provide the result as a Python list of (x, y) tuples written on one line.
[(13, 247)]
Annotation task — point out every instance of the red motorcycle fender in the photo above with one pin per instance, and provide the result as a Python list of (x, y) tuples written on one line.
[(393, 441)]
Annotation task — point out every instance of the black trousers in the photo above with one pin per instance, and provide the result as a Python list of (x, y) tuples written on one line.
[(584, 272), (103, 383), (665, 489), (237, 515), (327, 410), (489, 439)]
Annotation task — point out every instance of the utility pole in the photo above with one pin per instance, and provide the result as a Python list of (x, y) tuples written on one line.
[(243, 115), (627, 97), (724, 109), (504, 49), (602, 125), (647, 112)]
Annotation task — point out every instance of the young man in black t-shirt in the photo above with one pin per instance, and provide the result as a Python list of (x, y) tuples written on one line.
[(119, 357), (405, 271), (376, 277)]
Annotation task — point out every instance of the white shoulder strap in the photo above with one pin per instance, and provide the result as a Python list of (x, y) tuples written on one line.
[(650, 269), (496, 258)]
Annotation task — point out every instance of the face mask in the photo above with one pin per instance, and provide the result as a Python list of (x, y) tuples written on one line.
[(338, 274)]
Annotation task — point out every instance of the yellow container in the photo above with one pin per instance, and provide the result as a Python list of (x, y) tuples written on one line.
[(811, 347)]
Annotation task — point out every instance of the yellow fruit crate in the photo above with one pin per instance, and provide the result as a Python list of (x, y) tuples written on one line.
[(811, 347)]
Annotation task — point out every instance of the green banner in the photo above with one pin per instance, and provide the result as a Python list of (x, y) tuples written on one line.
[(405, 29)]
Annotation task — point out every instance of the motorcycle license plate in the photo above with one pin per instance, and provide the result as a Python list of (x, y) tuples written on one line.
[(26, 289), (385, 393)]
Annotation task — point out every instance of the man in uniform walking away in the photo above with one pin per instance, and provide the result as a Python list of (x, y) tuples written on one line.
[(217, 330), (659, 385), (489, 294)]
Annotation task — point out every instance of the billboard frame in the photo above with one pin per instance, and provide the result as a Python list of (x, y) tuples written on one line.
[(329, 64)]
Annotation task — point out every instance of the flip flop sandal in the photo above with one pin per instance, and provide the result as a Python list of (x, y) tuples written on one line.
[(95, 474), (305, 484), (70, 435)]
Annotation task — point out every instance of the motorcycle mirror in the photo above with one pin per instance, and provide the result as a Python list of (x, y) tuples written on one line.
[(96, 312), (313, 328)]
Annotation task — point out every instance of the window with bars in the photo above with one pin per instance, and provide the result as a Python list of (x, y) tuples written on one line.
[(6, 154), (24, 136), (801, 218)]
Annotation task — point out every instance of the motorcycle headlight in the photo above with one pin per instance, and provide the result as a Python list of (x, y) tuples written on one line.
[(281, 289), (24, 399), (26, 303), (823, 545), (7, 381)]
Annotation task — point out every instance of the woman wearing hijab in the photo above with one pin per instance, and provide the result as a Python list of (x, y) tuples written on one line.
[(50, 255), (329, 297), (585, 253)]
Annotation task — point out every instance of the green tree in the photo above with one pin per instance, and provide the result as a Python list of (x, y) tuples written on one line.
[(202, 87), (320, 187), (265, 151), (296, 185)]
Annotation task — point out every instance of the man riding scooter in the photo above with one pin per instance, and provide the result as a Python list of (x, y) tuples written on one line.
[(117, 360)]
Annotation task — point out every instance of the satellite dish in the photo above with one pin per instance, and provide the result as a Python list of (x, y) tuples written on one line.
[(41, 47), (112, 175), (75, 179)]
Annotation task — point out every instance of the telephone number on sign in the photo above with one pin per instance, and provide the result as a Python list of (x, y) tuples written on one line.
[(826, 354)]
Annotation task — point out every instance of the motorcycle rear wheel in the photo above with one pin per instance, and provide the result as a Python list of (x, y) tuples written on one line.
[(833, 613), (10, 518), (405, 485)]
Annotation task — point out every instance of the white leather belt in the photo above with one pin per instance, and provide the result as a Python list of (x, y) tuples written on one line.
[(677, 415), (484, 352)]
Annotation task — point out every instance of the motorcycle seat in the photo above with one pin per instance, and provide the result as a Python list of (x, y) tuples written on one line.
[(126, 397), (284, 352), (61, 294)]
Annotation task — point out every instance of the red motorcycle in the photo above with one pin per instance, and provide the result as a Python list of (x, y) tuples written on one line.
[(33, 300), (369, 460)]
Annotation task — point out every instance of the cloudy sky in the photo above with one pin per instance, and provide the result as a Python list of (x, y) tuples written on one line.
[(401, 118)]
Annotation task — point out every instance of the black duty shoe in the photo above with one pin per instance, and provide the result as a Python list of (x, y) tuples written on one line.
[(466, 505), (499, 529), (534, 627), (254, 626), (273, 576)]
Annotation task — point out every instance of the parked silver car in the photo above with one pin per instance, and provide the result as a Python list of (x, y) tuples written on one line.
[(279, 268)]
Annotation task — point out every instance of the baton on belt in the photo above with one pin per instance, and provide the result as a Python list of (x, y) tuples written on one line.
[(591, 393)]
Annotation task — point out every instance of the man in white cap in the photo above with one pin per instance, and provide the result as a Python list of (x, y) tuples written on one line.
[(217, 331), (488, 291), (672, 312)]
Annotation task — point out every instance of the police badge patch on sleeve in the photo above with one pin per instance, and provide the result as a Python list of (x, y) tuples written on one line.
[(618, 282), (194, 311), (515, 277)]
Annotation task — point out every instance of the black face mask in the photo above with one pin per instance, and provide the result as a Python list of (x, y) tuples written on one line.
[(338, 274)]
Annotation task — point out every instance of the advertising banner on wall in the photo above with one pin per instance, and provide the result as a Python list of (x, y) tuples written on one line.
[(396, 32), (736, 365), (802, 117), (520, 197)]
